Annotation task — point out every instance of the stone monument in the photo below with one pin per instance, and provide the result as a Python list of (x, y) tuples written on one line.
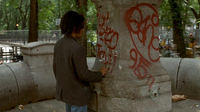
[(128, 45)]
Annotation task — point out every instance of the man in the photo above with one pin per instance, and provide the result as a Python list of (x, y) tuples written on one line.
[(70, 66)]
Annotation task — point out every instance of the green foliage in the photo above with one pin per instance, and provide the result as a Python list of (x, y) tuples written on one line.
[(47, 14), (92, 22), (165, 13), (198, 20), (92, 36), (49, 10), (67, 5), (12, 12), (91, 16)]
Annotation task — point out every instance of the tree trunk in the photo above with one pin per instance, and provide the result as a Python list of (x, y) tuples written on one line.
[(33, 23), (198, 15), (82, 5), (177, 28), (24, 16), (23, 23), (186, 15)]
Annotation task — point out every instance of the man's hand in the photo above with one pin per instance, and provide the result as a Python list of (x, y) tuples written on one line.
[(104, 70)]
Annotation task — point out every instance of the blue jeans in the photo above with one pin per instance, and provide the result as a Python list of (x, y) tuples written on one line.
[(74, 108)]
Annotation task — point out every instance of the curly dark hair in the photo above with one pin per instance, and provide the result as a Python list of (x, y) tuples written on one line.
[(71, 22)]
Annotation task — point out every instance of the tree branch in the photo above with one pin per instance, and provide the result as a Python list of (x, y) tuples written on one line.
[(194, 12)]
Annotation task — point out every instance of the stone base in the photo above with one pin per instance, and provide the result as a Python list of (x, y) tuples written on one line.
[(108, 104)]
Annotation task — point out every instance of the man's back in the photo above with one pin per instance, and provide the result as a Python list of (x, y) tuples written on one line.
[(71, 72)]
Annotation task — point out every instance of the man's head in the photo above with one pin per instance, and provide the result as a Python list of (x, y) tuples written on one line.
[(191, 34), (72, 22)]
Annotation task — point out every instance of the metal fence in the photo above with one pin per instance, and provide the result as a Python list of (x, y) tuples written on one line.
[(21, 36), (10, 54)]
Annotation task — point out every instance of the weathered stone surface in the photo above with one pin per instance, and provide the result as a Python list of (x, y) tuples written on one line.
[(28, 81), (27, 90), (32, 50), (188, 78), (39, 56), (184, 74), (110, 104), (128, 45), (172, 66), (9, 95), (18, 86)]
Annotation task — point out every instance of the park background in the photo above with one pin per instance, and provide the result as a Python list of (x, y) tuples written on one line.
[(25, 21)]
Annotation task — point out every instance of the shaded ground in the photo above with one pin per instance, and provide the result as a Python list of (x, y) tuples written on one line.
[(56, 106)]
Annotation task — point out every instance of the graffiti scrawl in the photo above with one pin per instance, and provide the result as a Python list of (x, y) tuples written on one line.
[(140, 28), (107, 42)]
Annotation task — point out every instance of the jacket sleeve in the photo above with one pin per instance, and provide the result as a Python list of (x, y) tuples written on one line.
[(80, 63), (54, 63)]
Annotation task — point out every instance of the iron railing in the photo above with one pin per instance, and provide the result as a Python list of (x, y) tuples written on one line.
[(21, 36)]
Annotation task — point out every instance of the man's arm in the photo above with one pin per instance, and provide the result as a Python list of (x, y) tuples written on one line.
[(79, 59), (54, 63)]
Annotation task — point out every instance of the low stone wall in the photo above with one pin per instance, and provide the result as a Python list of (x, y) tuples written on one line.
[(185, 76), (28, 81)]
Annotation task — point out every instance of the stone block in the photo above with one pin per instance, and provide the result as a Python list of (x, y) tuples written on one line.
[(184, 75), (36, 53), (9, 89), (45, 81), (110, 104), (188, 78), (31, 80), (172, 66), (39, 57), (27, 89)]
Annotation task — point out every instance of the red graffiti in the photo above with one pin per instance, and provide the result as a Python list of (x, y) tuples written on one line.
[(153, 79), (107, 42), (142, 27)]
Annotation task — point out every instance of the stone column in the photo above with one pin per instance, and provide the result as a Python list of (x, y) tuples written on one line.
[(128, 45)]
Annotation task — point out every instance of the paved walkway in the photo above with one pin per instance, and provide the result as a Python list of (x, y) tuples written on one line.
[(56, 106)]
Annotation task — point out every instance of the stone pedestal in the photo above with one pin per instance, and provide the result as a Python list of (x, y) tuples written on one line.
[(128, 46), (39, 56)]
